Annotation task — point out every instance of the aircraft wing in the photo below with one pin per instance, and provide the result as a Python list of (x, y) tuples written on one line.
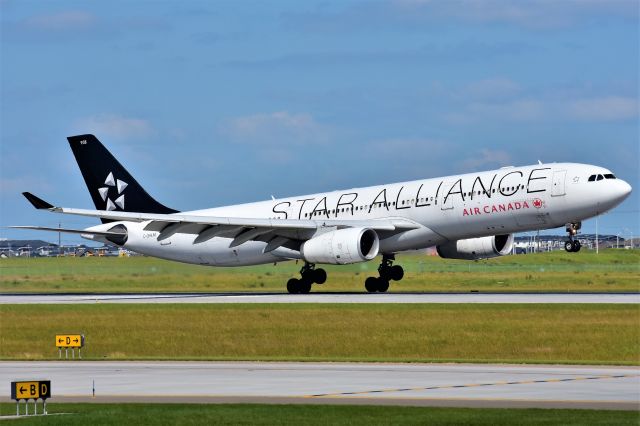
[(276, 232), (67, 230)]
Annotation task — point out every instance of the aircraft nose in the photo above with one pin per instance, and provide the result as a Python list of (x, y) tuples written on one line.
[(622, 190)]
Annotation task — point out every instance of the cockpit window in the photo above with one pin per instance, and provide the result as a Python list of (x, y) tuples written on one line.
[(593, 178)]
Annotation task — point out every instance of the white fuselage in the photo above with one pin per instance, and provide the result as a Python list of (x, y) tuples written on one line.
[(504, 201)]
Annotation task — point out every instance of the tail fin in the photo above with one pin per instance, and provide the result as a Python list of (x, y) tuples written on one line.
[(110, 185)]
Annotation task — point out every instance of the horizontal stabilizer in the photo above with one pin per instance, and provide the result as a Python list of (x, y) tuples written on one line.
[(66, 230), (38, 203)]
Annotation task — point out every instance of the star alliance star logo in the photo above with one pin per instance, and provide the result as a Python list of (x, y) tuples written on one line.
[(116, 184)]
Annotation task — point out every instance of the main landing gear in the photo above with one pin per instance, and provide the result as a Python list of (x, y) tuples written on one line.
[(573, 245), (388, 271), (309, 275)]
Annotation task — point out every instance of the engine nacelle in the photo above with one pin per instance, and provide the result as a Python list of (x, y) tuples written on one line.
[(477, 248), (350, 245)]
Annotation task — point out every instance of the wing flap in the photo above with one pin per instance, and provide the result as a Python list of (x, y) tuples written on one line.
[(275, 243), (248, 235), (215, 231)]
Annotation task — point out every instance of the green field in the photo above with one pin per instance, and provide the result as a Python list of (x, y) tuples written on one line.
[(588, 334), (610, 270), (252, 414)]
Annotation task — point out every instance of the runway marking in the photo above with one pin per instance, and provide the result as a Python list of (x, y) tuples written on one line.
[(469, 385)]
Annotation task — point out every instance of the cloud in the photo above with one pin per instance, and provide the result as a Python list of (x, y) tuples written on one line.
[(61, 26), (279, 128), (77, 26), (498, 100), (16, 185), (424, 15), (486, 158), (62, 21), (405, 148), (404, 157), (276, 137), (206, 38), (115, 126), (610, 108), (531, 13), (517, 110), (432, 54), (493, 88)]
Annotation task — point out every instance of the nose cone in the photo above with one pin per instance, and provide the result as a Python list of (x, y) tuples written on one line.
[(625, 189), (620, 191)]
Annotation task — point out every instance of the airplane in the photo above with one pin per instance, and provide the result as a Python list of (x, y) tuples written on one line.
[(470, 216)]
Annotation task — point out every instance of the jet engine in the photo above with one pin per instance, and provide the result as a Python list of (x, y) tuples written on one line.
[(350, 245), (477, 248)]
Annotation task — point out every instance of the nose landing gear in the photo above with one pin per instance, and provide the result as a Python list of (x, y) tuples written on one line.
[(388, 271), (573, 245), (309, 275)]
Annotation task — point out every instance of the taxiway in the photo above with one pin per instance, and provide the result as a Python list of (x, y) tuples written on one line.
[(53, 298), (471, 385)]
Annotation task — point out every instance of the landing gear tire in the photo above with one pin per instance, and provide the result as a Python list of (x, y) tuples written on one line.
[(304, 286), (576, 246), (308, 276), (396, 273), (293, 286), (572, 246), (319, 276), (371, 284), (388, 272), (376, 284)]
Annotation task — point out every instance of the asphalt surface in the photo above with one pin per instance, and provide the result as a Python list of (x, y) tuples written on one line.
[(469, 385), (322, 298)]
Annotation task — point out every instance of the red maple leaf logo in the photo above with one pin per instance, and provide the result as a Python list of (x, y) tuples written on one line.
[(537, 203)]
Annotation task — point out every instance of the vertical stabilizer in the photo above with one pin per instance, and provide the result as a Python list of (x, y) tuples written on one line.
[(110, 185)]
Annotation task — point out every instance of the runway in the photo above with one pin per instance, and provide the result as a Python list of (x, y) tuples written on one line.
[(321, 298), (468, 385)]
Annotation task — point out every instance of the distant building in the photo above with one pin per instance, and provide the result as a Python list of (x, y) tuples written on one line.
[(534, 243), (39, 248)]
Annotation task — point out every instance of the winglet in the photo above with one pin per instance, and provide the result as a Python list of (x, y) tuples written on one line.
[(38, 203)]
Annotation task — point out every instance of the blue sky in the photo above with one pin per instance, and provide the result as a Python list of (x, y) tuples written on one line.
[(214, 103)]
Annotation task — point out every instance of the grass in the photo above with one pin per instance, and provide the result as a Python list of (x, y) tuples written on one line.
[(609, 271), (253, 414), (589, 334)]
